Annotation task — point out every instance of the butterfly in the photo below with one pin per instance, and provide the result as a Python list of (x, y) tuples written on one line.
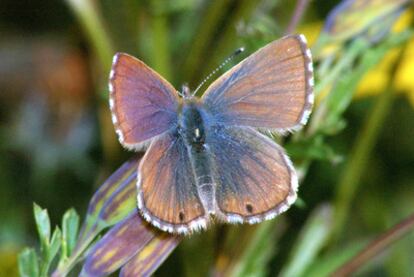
[(208, 157)]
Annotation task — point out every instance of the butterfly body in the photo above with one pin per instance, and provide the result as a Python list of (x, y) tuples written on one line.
[(208, 156), (194, 127)]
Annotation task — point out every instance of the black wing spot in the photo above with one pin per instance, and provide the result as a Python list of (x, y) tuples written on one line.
[(249, 208), (181, 216)]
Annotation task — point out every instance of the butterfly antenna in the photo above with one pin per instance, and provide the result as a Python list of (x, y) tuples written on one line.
[(180, 94), (226, 61)]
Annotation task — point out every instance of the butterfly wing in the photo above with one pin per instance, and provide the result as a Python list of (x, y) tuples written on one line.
[(143, 104), (255, 179), (271, 89), (167, 194)]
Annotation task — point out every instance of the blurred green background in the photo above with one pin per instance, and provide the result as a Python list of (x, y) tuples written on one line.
[(356, 157)]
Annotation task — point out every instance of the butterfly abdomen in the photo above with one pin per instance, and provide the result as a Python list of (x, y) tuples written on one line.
[(193, 130)]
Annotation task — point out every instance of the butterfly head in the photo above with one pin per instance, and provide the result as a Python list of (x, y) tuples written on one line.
[(186, 93)]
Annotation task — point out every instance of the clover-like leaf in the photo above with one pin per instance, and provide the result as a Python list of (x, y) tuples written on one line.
[(55, 244), (70, 226), (42, 224)]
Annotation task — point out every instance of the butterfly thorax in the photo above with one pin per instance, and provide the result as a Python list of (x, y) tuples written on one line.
[(192, 125)]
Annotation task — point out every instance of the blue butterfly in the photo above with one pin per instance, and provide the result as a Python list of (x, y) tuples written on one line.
[(206, 157)]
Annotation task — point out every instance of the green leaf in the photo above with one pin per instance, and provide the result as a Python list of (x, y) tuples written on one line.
[(331, 108), (92, 23), (42, 224), (354, 170), (312, 238), (313, 148), (70, 227), (28, 264), (346, 78), (55, 243), (48, 246)]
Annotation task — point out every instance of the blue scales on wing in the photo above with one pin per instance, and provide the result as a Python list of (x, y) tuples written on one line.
[(254, 178)]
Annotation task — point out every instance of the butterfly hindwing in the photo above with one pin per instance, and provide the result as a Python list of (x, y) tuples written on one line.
[(255, 179), (167, 196), (143, 104), (271, 89)]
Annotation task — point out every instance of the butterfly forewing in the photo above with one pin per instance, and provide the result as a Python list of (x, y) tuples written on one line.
[(143, 104), (167, 196), (271, 89), (255, 179)]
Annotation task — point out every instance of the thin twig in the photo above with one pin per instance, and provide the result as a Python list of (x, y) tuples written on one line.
[(300, 9), (375, 247)]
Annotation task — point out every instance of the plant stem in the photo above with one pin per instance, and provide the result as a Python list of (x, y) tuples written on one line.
[(375, 248), (300, 9), (63, 270), (360, 154), (160, 41), (208, 25), (91, 21), (226, 42)]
